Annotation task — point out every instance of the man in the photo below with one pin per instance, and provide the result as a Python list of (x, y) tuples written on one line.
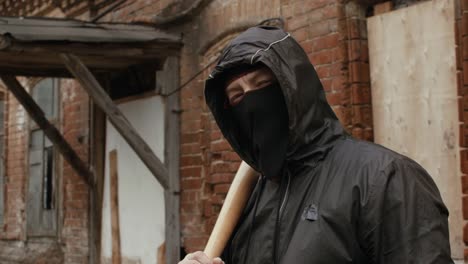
[(324, 197)]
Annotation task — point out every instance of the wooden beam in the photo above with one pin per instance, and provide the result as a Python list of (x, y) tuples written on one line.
[(50, 130), (116, 117), (169, 80), (114, 207)]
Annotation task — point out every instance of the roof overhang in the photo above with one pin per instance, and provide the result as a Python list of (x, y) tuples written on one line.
[(32, 46)]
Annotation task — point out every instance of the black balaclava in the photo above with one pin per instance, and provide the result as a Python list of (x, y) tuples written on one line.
[(262, 119)]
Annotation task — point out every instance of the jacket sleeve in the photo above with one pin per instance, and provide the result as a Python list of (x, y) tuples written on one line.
[(404, 219)]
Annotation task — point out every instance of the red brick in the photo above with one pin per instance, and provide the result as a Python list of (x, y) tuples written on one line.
[(192, 244), (464, 160), (464, 180), (464, 25), (360, 94), (191, 184), (193, 160), (465, 235), (465, 207), (343, 114), (230, 156), (221, 188), (193, 148), (220, 146), (463, 135), (190, 138), (323, 71), (339, 83), (192, 172), (222, 178), (332, 11), (297, 22), (311, 5), (224, 167), (383, 7), (359, 72), (321, 57), (318, 29), (464, 5), (327, 85), (460, 87), (300, 34), (362, 115)]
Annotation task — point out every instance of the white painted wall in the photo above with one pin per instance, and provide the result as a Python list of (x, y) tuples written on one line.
[(414, 95), (141, 197)]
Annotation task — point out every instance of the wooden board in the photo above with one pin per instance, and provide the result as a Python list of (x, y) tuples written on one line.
[(414, 95), (114, 206), (169, 80)]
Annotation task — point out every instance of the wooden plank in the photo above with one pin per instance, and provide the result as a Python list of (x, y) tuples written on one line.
[(169, 80), (98, 139), (120, 122), (413, 69), (114, 207), (50, 130)]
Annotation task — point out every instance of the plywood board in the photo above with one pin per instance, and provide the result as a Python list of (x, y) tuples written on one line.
[(414, 95)]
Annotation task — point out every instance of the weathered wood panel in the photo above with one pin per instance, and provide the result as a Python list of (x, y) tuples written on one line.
[(114, 202), (169, 80), (414, 95), (99, 96)]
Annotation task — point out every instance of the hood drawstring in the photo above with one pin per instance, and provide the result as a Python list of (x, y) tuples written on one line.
[(257, 200)]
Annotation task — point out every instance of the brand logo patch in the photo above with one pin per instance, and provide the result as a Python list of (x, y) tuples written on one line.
[(310, 213)]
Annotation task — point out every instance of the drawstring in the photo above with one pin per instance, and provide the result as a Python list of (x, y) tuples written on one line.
[(257, 200)]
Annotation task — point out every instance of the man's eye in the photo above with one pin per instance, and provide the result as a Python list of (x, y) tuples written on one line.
[(235, 99), (263, 83)]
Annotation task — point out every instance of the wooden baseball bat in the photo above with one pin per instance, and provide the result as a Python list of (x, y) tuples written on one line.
[(235, 202)]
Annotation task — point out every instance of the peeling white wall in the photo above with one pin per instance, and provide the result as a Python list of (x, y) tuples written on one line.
[(414, 95), (141, 197)]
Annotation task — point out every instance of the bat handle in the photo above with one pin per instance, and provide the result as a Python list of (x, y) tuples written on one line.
[(233, 205)]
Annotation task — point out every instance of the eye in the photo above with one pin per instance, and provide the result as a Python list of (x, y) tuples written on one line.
[(263, 83), (235, 98)]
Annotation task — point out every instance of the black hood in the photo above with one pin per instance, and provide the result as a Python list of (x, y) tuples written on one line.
[(313, 126)]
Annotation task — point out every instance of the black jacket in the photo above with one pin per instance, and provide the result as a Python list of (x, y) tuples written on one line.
[(339, 200)]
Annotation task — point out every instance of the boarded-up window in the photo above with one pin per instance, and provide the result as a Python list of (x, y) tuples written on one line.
[(2, 156), (41, 203)]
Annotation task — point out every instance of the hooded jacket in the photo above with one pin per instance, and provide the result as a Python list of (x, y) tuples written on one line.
[(339, 199)]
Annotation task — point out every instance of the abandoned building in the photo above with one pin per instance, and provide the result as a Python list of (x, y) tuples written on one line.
[(109, 151)]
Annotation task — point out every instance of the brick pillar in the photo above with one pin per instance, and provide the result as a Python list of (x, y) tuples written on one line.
[(16, 133), (75, 122), (461, 34)]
